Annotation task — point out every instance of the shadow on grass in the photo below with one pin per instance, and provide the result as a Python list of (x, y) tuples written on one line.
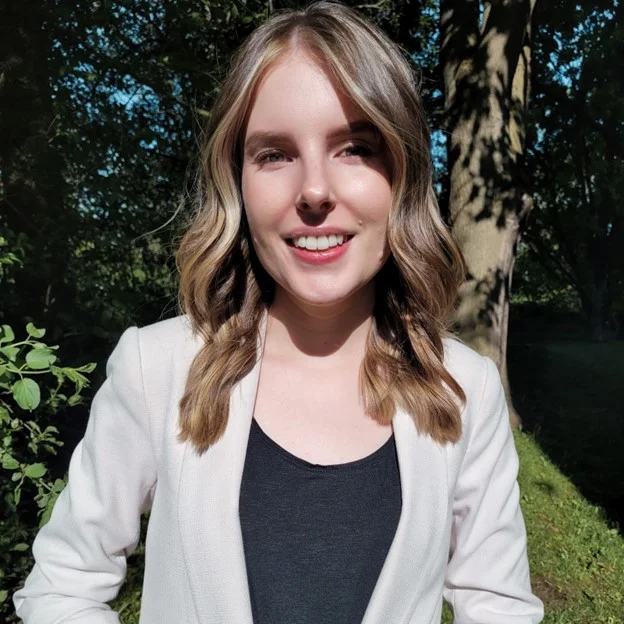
[(569, 394)]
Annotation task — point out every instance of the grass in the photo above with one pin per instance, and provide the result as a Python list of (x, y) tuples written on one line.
[(571, 480), (576, 556), (568, 394)]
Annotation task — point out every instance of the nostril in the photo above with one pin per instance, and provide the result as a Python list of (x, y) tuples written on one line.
[(315, 206)]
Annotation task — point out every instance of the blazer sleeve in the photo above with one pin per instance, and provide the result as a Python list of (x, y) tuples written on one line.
[(80, 554), (487, 578)]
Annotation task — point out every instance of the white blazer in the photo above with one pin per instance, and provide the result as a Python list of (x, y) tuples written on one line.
[(460, 535)]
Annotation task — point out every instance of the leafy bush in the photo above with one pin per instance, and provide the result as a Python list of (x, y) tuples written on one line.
[(33, 388)]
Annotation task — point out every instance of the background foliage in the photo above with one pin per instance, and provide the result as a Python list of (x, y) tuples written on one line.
[(33, 389)]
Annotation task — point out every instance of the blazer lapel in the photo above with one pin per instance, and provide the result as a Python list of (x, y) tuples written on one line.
[(419, 534), (208, 502)]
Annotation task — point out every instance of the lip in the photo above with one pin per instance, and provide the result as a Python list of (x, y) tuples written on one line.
[(317, 231), (323, 256)]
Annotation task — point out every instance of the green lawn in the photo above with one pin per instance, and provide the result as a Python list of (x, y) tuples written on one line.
[(571, 479), (568, 393), (576, 557)]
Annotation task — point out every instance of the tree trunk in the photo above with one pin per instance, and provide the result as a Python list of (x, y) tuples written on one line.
[(486, 67)]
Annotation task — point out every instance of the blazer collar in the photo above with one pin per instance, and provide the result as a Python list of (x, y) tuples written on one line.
[(212, 544)]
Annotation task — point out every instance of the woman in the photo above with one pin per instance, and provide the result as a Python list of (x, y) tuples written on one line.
[(313, 444)]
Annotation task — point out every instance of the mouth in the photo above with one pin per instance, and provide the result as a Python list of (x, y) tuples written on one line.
[(319, 243)]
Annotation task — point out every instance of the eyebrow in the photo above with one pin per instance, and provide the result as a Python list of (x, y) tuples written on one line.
[(261, 138)]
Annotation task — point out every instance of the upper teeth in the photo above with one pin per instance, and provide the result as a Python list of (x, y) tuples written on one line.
[(318, 242)]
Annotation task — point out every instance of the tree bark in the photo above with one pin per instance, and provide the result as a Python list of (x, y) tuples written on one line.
[(486, 67)]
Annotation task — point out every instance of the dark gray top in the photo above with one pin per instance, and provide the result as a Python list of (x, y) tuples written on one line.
[(315, 536)]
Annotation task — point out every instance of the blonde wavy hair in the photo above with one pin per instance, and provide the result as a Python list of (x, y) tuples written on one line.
[(226, 292)]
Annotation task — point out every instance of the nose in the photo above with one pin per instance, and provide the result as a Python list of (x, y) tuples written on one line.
[(315, 194)]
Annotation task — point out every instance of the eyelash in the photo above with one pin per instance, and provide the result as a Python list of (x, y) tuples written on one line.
[(263, 157)]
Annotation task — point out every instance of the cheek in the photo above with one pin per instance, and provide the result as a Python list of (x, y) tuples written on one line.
[(264, 216), (264, 201), (374, 205), (255, 203), (371, 199)]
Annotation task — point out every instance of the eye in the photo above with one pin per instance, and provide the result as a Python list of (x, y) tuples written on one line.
[(268, 156), (357, 149)]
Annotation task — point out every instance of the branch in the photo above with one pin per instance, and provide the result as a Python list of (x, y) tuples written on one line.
[(550, 261)]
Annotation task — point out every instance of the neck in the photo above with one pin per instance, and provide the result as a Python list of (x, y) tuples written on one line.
[(297, 328)]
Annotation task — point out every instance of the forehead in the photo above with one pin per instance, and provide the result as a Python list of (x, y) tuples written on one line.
[(297, 93)]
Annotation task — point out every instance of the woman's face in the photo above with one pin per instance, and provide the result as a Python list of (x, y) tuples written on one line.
[(316, 185)]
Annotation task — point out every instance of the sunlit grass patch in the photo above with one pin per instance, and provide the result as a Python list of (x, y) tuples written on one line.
[(576, 557)]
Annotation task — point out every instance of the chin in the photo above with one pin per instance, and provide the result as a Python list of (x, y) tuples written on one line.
[(321, 296), (321, 300)]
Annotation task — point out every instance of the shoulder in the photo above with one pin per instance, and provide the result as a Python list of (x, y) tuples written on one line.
[(485, 412), (167, 341), (166, 350), (467, 367), (172, 329), (172, 333)]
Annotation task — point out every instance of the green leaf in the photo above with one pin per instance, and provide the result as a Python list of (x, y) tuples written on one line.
[(8, 334), (34, 426), (34, 332), (4, 594), (74, 399), (10, 352), (40, 358), (139, 274), (42, 501), (9, 462), (79, 380), (26, 394), (2, 370), (45, 515), (34, 471), (20, 547), (47, 512)]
